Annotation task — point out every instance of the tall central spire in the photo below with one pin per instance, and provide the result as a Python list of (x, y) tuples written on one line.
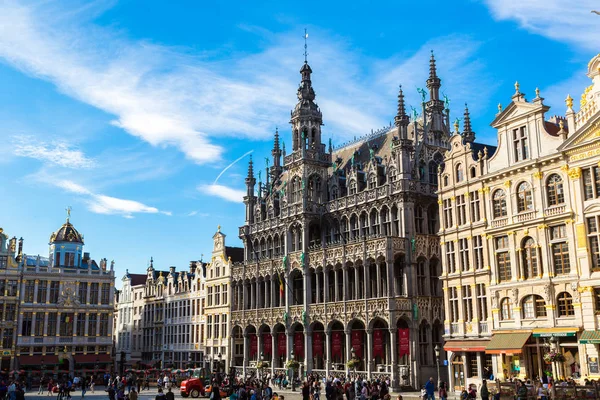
[(305, 47)]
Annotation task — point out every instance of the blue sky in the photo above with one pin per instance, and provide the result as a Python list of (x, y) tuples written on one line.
[(129, 110)]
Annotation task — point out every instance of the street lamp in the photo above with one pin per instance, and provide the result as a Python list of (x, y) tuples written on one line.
[(437, 362), (220, 356), (293, 374), (554, 347), (43, 368), (356, 387)]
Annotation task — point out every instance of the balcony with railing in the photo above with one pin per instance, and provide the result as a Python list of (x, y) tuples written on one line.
[(555, 210)]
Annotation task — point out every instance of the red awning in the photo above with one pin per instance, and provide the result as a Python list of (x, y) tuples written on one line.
[(466, 345), (92, 358), (38, 360)]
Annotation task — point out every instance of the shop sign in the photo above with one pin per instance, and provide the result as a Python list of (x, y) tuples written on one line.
[(403, 336), (336, 344), (6, 353), (593, 365), (554, 334), (318, 344)]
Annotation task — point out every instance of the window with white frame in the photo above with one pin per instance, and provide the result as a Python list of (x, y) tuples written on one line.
[(475, 206), (461, 210), (478, 251), (450, 260), (521, 143), (463, 254), (593, 236), (560, 250), (591, 182), (467, 300)]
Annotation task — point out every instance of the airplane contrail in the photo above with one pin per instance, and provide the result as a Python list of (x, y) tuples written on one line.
[(231, 165)]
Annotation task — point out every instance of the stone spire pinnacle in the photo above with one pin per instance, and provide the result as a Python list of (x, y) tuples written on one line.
[(433, 83), (468, 134), (276, 140), (250, 170), (401, 118)]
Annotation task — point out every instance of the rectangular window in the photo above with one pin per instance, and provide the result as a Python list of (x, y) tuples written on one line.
[(39, 323), (224, 325), (591, 182), (419, 220), (11, 312), (92, 324), (209, 296), (12, 288), (421, 277), (7, 338), (54, 285), (52, 317), (104, 324), (217, 295), (105, 293), (593, 235), (467, 298), (42, 292), (80, 324), (209, 327), (29, 291), (481, 301), (478, 251), (475, 204), (216, 327), (66, 324), (461, 209), (453, 298), (521, 144), (3, 264), (2, 287), (447, 206), (503, 259), (560, 250), (224, 294), (450, 260), (27, 324), (69, 259), (463, 254)]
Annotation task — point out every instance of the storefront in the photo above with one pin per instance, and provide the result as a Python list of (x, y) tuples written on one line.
[(468, 362), (508, 348), (590, 341), (564, 341)]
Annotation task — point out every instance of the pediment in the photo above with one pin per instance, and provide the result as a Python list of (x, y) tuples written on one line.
[(592, 209), (590, 132), (515, 110)]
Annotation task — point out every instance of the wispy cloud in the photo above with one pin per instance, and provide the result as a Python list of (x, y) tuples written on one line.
[(224, 192), (168, 97), (102, 204), (564, 21), (52, 153)]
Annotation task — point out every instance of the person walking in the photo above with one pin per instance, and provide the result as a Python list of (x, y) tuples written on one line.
[(430, 389), (83, 389), (443, 392), (133, 395)]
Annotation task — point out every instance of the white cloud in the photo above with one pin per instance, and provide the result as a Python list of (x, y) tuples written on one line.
[(102, 204), (565, 21), (53, 153), (224, 192), (170, 98)]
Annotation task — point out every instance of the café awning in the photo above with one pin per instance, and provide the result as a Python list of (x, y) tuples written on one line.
[(507, 342), (92, 358), (590, 337), (466, 345), (555, 332), (38, 360)]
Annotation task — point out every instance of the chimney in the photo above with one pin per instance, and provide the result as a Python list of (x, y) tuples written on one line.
[(172, 269), (193, 266)]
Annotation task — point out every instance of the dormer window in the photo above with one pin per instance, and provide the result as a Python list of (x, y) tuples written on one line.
[(460, 175), (372, 181), (352, 188), (521, 143)]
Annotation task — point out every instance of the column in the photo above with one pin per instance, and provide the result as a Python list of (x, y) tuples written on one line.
[(326, 285), (58, 316), (368, 352), (273, 352), (390, 278), (87, 298), (348, 332), (379, 282), (252, 296), (308, 359), (479, 366), (336, 294), (33, 316), (246, 353), (367, 276), (327, 352), (318, 287), (345, 281), (259, 345), (35, 291), (87, 317), (356, 282), (393, 355), (266, 293)]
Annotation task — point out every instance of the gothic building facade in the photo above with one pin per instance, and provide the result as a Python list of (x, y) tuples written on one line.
[(341, 257), (520, 239)]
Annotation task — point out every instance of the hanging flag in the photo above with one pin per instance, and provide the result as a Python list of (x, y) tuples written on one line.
[(281, 287)]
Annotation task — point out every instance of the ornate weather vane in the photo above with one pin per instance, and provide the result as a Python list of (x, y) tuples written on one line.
[(68, 210)]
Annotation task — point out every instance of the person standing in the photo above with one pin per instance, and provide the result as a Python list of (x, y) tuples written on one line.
[(430, 389), (443, 392), (133, 395), (83, 389), (484, 391)]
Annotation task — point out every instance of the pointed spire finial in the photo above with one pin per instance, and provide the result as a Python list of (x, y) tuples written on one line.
[(456, 126), (432, 67), (305, 46), (250, 169), (517, 86), (401, 118), (151, 262), (569, 102), (68, 210), (468, 133)]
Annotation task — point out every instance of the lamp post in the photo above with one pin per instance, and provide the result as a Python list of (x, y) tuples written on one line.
[(357, 388), (43, 369), (293, 374), (554, 347), (437, 362)]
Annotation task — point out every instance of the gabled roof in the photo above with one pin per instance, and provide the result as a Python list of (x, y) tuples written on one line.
[(236, 253), (138, 279), (515, 110), (583, 134)]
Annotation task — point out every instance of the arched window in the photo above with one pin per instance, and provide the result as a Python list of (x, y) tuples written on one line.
[(534, 307), (506, 309), (473, 172), (334, 193), (524, 197), (499, 203), (460, 175), (424, 343), (352, 187), (445, 180), (565, 305), (372, 181), (296, 194), (529, 259), (392, 174), (554, 187)]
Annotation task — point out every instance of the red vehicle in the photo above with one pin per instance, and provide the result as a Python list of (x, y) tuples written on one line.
[(193, 387)]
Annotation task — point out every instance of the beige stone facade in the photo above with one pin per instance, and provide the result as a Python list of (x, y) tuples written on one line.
[(519, 234)]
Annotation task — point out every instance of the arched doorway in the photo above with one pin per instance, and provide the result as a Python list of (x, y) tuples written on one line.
[(380, 352), (238, 346), (266, 343), (338, 345), (252, 343), (318, 345), (403, 349), (280, 346), (358, 341)]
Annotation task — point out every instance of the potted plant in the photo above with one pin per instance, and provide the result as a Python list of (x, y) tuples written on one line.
[(292, 364), (262, 364), (554, 356), (353, 363)]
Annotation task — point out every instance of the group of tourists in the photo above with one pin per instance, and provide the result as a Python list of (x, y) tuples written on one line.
[(12, 390)]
